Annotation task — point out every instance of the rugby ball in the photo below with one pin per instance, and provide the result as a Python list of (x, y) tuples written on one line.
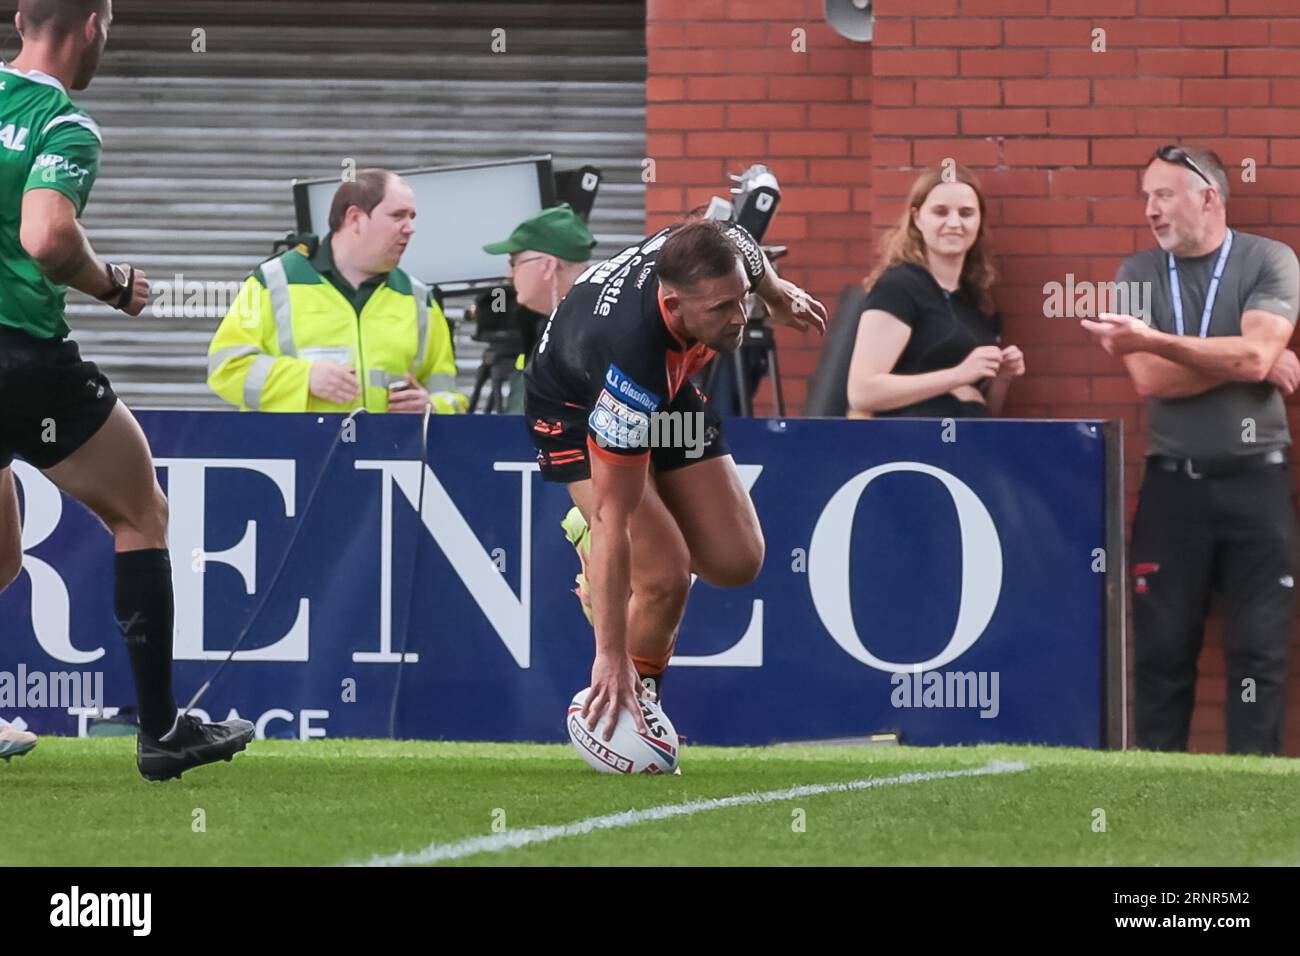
[(627, 750)]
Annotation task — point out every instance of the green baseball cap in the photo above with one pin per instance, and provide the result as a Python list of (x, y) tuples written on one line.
[(557, 231)]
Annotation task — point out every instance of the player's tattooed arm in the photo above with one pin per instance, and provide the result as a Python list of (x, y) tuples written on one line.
[(52, 236), (617, 488)]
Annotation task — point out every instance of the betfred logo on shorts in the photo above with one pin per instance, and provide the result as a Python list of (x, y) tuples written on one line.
[(616, 424)]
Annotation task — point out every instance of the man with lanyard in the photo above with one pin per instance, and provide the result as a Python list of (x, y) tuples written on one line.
[(1216, 509), (613, 362)]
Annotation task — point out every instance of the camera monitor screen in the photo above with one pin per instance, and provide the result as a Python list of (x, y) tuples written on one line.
[(458, 209)]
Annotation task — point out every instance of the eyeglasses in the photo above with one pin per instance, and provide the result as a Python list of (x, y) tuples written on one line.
[(516, 263), (1176, 154)]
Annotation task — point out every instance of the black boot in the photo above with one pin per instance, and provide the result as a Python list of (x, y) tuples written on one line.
[(191, 744)]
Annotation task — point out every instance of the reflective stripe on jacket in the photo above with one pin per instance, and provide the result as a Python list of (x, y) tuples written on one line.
[(287, 316)]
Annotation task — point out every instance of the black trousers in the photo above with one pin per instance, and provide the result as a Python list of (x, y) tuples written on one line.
[(1236, 535)]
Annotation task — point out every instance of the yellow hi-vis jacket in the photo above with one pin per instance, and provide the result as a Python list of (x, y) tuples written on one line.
[(288, 315)]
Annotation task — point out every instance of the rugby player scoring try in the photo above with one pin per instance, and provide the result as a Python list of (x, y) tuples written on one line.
[(617, 354)]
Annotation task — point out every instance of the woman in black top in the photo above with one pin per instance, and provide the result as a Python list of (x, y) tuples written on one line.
[(929, 341)]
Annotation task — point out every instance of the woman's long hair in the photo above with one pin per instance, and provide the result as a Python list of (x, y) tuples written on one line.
[(904, 243)]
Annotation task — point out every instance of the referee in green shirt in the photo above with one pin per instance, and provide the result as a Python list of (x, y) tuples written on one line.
[(58, 412)]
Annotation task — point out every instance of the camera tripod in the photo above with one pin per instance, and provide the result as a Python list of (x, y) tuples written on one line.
[(495, 371)]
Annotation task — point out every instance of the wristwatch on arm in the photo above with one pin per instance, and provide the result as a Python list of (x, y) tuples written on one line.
[(123, 281)]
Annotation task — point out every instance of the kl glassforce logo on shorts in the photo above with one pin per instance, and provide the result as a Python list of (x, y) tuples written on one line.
[(625, 417)]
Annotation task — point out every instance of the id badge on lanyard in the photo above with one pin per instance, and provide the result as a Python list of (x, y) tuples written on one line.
[(1176, 295)]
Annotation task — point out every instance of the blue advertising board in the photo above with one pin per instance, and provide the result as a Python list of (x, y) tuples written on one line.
[(942, 580)]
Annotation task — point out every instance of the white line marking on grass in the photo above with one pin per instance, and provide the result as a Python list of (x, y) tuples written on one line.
[(513, 839)]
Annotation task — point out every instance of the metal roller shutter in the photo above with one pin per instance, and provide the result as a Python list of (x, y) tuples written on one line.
[(199, 147)]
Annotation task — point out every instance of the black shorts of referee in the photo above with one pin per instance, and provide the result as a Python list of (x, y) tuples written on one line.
[(51, 400)]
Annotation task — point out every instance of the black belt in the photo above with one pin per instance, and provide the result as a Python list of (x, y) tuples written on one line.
[(1217, 467)]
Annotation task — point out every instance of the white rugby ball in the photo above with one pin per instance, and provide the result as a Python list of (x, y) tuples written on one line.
[(627, 750)]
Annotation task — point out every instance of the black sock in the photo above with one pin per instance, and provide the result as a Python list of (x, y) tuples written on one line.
[(654, 682), (145, 616)]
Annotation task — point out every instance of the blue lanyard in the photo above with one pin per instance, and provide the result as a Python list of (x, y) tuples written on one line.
[(1176, 295)]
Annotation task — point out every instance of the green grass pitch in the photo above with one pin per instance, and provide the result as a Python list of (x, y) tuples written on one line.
[(329, 802)]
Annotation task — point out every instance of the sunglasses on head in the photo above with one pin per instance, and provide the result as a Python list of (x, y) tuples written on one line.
[(1176, 154)]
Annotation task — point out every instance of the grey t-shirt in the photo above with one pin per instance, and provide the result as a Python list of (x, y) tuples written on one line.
[(1260, 274)]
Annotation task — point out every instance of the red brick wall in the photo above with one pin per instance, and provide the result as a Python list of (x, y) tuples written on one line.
[(727, 89), (1012, 89)]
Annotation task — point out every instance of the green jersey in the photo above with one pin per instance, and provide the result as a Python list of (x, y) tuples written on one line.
[(46, 142)]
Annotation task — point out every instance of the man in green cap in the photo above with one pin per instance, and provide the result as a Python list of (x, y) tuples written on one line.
[(548, 251)]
